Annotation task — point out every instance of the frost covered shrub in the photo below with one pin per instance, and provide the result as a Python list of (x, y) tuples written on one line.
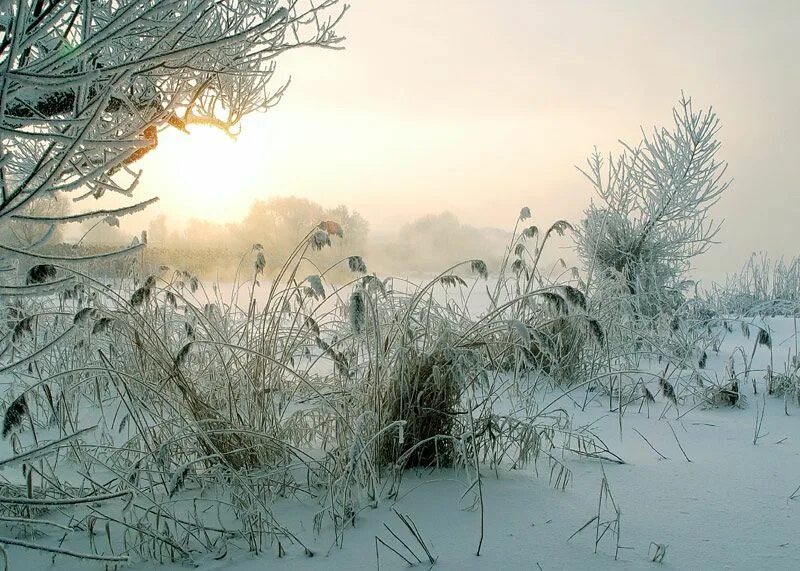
[(652, 216), (548, 325)]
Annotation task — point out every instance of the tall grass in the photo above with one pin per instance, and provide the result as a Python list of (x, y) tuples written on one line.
[(181, 418), (763, 287), (175, 416)]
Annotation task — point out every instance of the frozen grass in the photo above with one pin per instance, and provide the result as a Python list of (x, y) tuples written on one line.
[(174, 417), (160, 420), (763, 287)]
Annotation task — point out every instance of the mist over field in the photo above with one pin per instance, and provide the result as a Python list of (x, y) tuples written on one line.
[(424, 246), (479, 110)]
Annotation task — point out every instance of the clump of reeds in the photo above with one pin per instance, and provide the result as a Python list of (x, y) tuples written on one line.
[(424, 391), (787, 383), (556, 347), (40, 274), (724, 394), (763, 286)]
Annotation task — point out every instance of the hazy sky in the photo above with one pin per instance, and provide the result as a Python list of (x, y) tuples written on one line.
[(482, 107)]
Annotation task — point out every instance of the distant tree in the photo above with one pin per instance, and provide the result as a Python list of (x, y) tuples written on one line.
[(85, 85), (436, 241), (653, 214), (157, 231), (356, 227), (277, 224)]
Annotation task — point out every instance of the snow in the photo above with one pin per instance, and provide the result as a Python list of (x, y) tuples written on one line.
[(729, 507)]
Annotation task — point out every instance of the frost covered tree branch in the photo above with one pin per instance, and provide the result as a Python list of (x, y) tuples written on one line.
[(86, 85)]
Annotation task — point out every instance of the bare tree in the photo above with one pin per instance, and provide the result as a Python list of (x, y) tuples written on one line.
[(85, 85), (655, 198)]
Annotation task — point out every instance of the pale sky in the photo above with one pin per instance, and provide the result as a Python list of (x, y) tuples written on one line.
[(482, 107)]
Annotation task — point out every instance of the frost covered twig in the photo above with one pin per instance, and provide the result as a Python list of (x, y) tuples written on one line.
[(85, 86)]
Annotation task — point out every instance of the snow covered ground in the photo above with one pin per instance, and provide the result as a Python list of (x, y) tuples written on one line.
[(693, 481)]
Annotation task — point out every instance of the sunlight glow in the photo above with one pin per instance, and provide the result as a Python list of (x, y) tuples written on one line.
[(207, 174)]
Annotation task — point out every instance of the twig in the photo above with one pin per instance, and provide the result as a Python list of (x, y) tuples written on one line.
[(650, 445), (93, 556), (678, 441)]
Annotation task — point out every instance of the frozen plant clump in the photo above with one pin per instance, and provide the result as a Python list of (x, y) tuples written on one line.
[(653, 213)]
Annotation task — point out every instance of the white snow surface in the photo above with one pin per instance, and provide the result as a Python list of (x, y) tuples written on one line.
[(730, 507)]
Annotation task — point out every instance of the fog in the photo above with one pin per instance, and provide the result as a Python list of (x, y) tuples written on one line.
[(427, 245), (477, 110)]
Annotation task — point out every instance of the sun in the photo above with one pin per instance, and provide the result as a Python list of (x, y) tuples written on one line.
[(205, 174)]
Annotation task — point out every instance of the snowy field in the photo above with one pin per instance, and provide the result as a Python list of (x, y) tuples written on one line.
[(686, 483), (728, 506), (570, 399)]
